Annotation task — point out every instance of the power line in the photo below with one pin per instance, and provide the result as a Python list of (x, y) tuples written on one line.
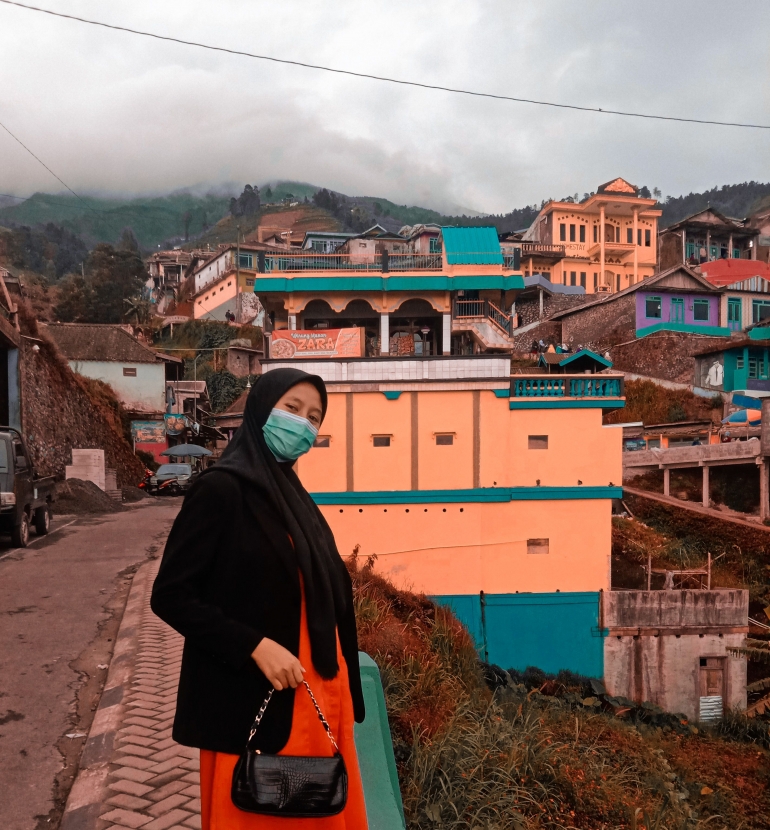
[(383, 78), (44, 196), (37, 158)]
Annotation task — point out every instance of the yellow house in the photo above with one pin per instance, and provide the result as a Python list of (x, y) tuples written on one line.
[(605, 243)]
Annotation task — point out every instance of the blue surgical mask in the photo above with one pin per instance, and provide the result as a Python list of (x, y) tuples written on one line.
[(287, 435)]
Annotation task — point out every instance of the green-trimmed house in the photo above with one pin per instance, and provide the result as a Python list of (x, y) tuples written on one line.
[(450, 293), (676, 300)]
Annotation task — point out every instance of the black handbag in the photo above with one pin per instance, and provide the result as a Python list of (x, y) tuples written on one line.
[(290, 786)]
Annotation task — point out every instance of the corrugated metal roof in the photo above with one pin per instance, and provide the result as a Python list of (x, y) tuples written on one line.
[(472, 246)]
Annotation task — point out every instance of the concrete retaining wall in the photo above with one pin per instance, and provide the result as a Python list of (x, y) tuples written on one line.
[(658, 643)]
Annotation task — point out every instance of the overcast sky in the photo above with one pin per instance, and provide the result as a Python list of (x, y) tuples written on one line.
[(115, 113)]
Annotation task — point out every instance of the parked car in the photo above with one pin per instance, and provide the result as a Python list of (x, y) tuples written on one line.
[(25, 497), (172, 479)]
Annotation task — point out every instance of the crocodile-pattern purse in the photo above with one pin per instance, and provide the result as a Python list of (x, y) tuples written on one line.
[(290, 786)]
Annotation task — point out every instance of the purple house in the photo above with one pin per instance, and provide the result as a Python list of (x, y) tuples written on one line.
[(678, 299)]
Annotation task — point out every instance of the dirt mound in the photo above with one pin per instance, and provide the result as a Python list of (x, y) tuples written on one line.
[(133, 494), (76, 496)]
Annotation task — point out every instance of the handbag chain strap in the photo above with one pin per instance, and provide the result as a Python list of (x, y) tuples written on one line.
[(321, 717)]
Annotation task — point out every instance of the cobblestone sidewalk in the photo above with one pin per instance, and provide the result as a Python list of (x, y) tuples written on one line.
[(132, 773)]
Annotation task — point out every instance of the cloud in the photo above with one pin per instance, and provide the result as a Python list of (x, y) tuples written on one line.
[(115, 113)]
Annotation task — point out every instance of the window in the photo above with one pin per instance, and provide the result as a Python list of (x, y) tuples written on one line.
[(245, 261), (630, 235), (322, 441), (700, 310), (3, 456), (652, 308), (596, 233), (381, 440), (760, 310), (583, 278), (445, 439), (562, 232), (647, 239), (571, 233), (752, 367), (739, 363), (537, 442), (537, 545), (435, 246), (734, 315), (129, 372), (572, 278), (21, 459), (736, 253), (582, 233), (596, 280), (617, 282), (639, 237)]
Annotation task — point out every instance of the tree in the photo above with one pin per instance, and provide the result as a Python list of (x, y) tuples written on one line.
[(186, 219), (247, 204), (644, 192), (128, 241), (268, 192), (111, 277)]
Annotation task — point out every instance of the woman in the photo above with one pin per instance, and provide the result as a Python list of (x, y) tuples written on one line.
[(252, 579)]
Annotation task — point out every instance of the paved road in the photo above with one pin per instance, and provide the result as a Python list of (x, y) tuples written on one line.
[(61, 601)]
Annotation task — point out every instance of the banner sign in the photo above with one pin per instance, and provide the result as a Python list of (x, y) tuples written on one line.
[(148, 432), (175, 424), (286, 343)]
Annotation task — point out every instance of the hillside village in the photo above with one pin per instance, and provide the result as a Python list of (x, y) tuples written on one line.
[(553, 424)]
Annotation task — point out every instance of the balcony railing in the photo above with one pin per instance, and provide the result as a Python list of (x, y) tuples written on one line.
[(542, 249), (483, 308), (385, 262), (567, 386)]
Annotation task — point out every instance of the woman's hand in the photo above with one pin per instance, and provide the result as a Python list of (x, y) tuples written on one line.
[(278, 664)]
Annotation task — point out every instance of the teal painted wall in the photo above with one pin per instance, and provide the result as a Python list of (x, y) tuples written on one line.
[(552, 631), (467, 609)]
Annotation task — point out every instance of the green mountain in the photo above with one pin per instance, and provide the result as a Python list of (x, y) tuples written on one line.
[(153, 220)]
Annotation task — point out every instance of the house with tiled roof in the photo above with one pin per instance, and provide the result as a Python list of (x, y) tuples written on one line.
[(110, 353)]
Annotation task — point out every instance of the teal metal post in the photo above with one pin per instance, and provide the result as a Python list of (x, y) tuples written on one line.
[(374, 746)]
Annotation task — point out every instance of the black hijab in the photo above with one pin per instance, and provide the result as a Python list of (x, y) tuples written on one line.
[(248, 457)]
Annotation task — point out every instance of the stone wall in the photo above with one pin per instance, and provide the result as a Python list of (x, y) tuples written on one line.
[(58, 413), (666, 354), (529, 309), (549, 331), (601, 325)]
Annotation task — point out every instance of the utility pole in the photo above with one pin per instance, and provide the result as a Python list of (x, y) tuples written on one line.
[(238, 275)]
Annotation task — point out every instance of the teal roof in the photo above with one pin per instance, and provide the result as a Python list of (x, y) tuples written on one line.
[(585, 353), (472, 246)]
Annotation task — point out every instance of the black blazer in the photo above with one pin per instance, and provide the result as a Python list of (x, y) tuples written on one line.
[(226, 581)]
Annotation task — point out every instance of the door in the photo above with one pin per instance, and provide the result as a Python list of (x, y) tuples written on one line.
[(712, 679), (677, 310), (734, 313)]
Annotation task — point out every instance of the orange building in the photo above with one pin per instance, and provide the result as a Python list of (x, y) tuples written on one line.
[(604, 243), (490, 493)]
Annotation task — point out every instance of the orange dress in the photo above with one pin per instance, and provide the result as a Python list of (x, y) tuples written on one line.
[(307, 738)]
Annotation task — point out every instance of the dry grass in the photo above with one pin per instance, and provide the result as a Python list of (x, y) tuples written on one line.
[(515, 759)]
